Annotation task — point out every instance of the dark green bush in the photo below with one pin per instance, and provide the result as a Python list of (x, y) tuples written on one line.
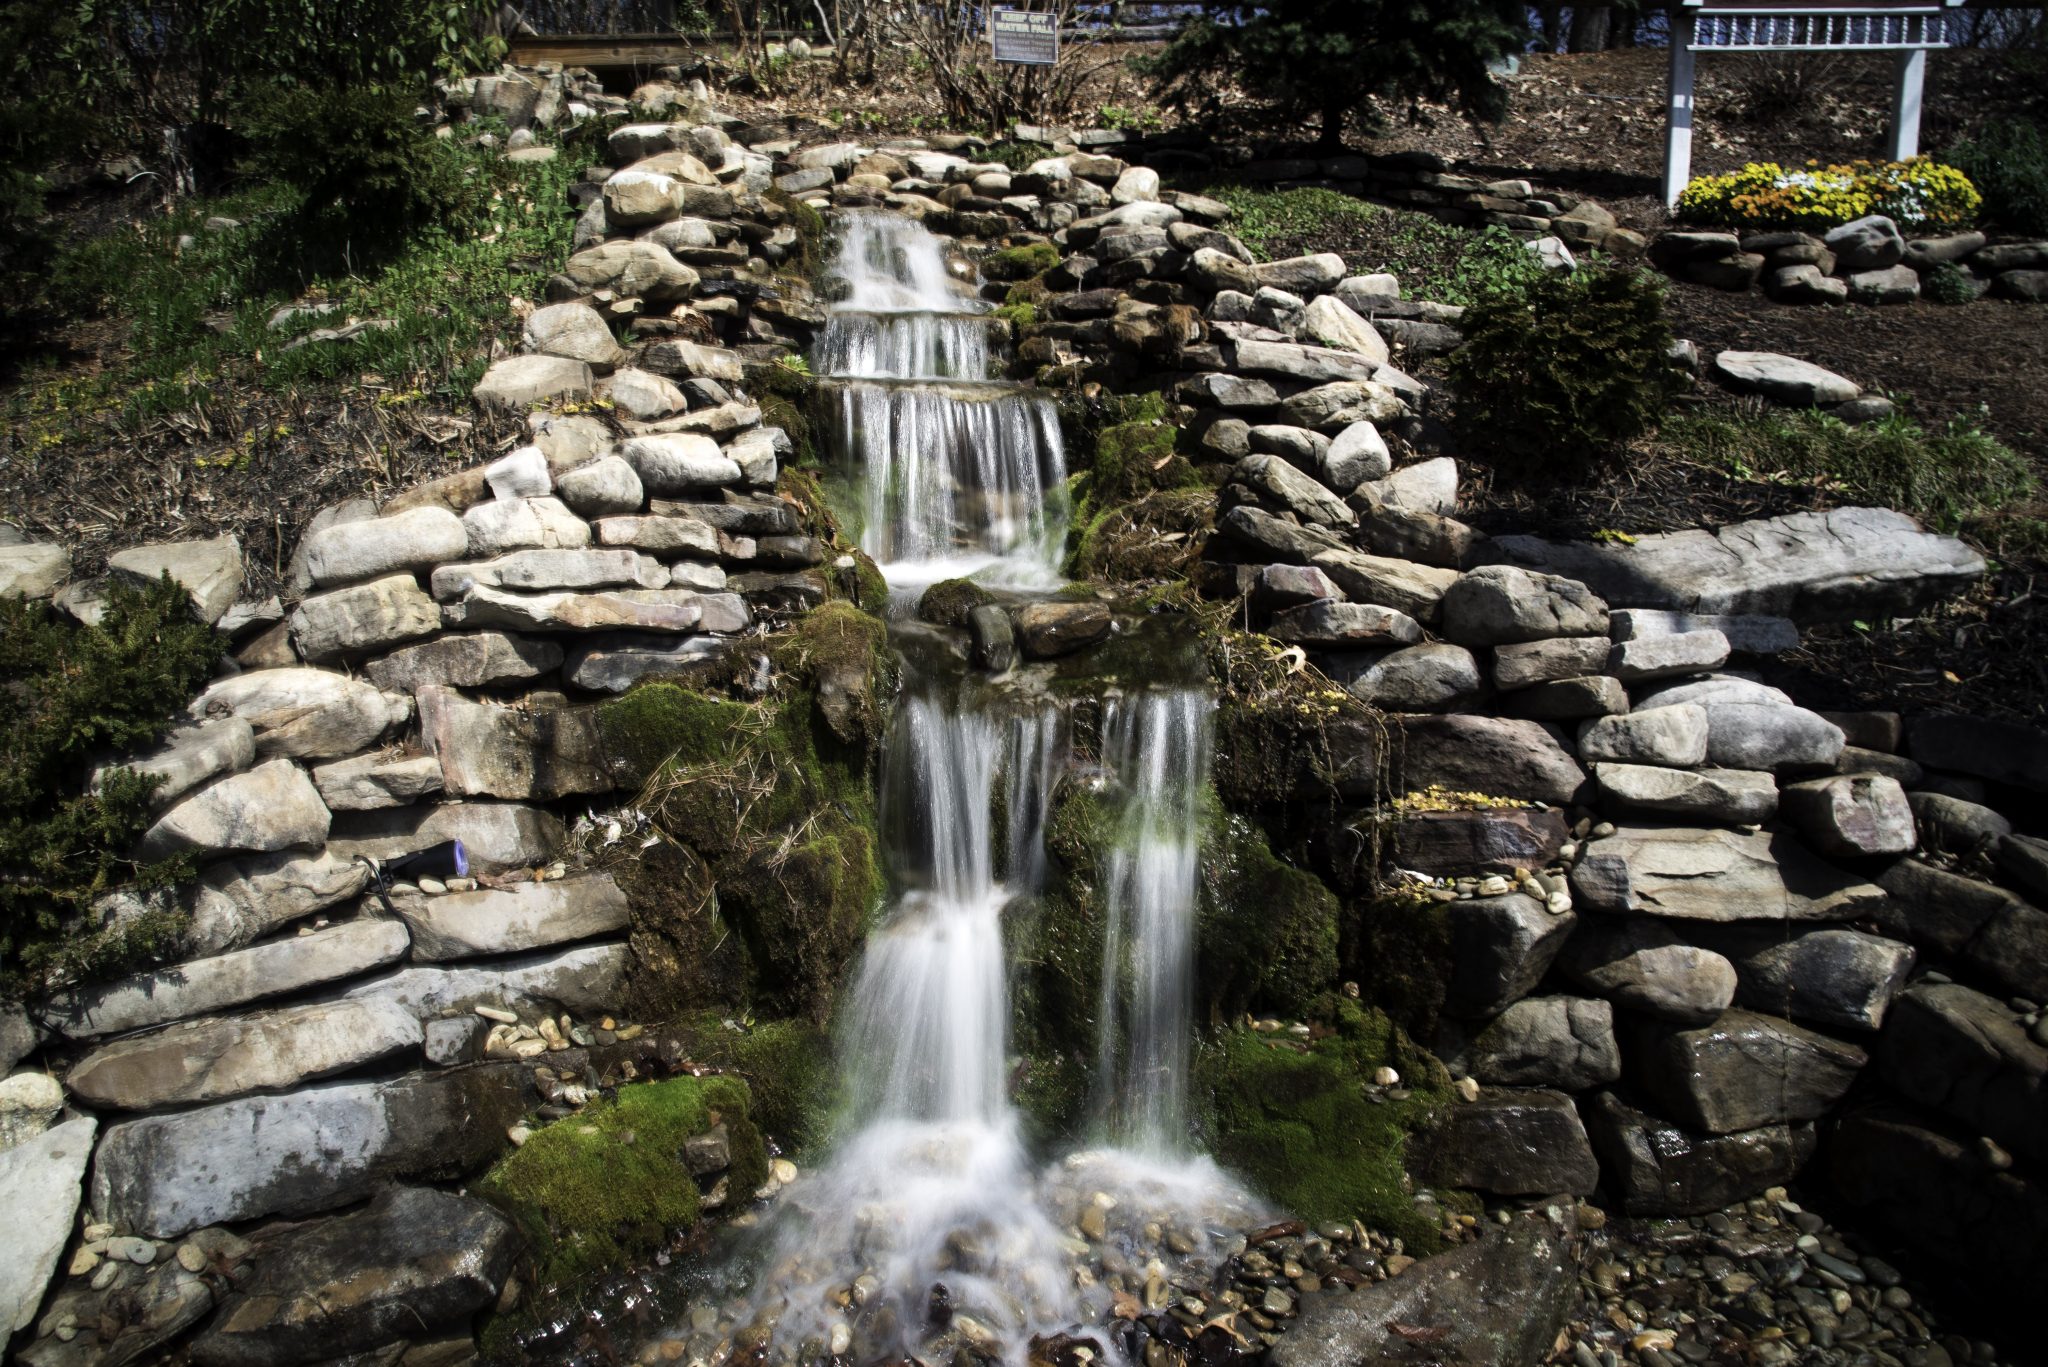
[(70, 696), (1558, 374), (358, 152), (1948, 283), (2009, 164)]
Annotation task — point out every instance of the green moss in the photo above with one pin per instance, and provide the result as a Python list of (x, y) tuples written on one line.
[(1019, 316), (1020, 263), (776, 796), (598, 1189), (1051, 1091), (1113, 508), (1294, 1117), (948, 602), (784, 395), (1266, 933), (809, 256), (1402, 958)]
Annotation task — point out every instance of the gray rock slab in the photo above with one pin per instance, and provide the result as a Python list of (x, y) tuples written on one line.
[(1704, 874), (1742, 1072), (198, 987), (1331, 623), (238, 900), (1835, 566), (613, 664), (538, 570), (209, 571), (1746, 635), (363, 619), (273, 806), (1851, 816), (190, 755), (1528, 663), (512, 524), (528, 916), (377, 780), (586, 980), (1736, 797), (33, 569), (1498, 756), (486, 750), (1500, 949), (305, 713), (1783, 379), (1512, 1142), (657, 610), (1835, 977), (1564, 1042), (40, 1184), (1675, 736), (480, 659), (518, 383), (413, 1262), (1767, 736), (1646, 966), (1661, 657), (1499, 1302), (2002, 751), (1420, 678), (1504, 605), (212, 1060), (300, 1152), (496, 835), (1660, 1169)]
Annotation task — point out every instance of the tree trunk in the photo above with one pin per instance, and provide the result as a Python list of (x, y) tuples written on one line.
[(1590, 26), (1550, 27)]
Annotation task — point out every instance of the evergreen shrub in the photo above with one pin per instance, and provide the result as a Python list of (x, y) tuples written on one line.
[(1558, 374)]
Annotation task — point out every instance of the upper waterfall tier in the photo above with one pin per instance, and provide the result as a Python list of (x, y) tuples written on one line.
[(962, 474)]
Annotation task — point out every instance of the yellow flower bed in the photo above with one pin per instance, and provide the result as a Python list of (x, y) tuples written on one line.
[(1917, 194)]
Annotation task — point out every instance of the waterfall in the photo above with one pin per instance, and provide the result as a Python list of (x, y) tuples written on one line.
[(1157, 745), (961, 474)]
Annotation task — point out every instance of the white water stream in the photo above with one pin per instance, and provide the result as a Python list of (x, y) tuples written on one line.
[(929, 1229)]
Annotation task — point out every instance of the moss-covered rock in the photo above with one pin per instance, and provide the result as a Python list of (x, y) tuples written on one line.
[(685, 956), (603, 1187), (1266, 933), (1019, 263), (1122, 527), (784, 392), (1402, 957), (1294, 1117), (948, 602), (775, 796)]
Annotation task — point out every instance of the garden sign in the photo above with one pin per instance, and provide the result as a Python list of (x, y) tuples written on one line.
[(1909, 30), (1025, 38)]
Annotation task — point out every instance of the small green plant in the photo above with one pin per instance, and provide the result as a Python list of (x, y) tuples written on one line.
[(70, 695), (1948, 283), (1262, 216), (1556, 376), (2009, 163), (1124, 118)]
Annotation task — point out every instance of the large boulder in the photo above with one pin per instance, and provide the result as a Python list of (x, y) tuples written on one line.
[(1783, 379), (486, 750), (305, 713), (1530, 663), (1870, 243), (512, 524), (1658, 1169), (212, 1060), (496, 835), (1417, 590), (1420, 678), (1767, 736), (1643, 965), (678, 463), (1482, 841), (413, 1262), (1329, 322), (1496, 756), (1291, 491), (1502, 605), (199, 986), (271, 807), (1048, 630), (1836, 566), (1498, 1302), (382, 778), (40, 1183), (1736, 797), (33, 569), (1675, 736), (635, 269), (1703, 874), (301, 1152), (1564, 1042), (527, 916), (1512, 1143), (1500, 949), (1331, 623), (1742, 1072), (659, 610), (1850, 816)]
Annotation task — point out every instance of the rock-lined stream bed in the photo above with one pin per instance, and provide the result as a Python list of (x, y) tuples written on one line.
[(1536, 941)]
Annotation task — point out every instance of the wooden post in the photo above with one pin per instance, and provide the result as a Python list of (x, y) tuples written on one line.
[(1905, 130), (1678, 113)]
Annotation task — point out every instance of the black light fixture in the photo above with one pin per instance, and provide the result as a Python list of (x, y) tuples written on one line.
[(445, 860)]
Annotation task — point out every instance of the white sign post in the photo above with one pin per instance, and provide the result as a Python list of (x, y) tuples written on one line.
[(1024, 37), (1910, 30)]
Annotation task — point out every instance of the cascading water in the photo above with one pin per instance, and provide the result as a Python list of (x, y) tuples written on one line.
[(961, 473), (1157, 744), (928, 1234)]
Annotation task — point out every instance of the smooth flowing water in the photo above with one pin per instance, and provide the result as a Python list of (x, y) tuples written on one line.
[(961, 474), (929, 1232)]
